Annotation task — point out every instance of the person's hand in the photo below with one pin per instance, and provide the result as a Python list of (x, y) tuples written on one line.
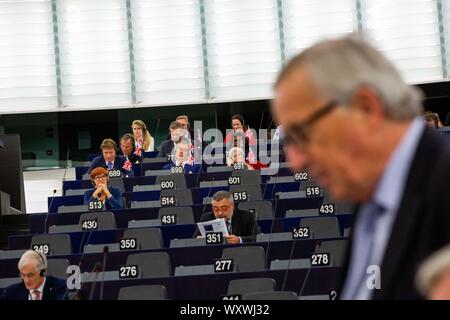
[(199, 237), (232, 239), (106, 190), (97, 191)]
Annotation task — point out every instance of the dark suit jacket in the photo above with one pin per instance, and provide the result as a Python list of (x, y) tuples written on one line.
[(118, 164), (243, 224), (115, 202), (132, 157), (422, 225), (54, 289), (165, 149), (194, 168)]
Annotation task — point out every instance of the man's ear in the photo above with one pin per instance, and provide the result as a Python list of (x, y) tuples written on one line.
[(369, 106)]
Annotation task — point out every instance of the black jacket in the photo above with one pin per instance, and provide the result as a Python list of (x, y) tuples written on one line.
[(165, 149), (132, 157), (422, 225), (243, 224), (54, 289)]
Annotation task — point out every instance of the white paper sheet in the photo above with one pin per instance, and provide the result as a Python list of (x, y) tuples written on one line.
[(217, 225)]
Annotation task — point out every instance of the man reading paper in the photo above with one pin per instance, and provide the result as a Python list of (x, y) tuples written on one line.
[(241, 224)]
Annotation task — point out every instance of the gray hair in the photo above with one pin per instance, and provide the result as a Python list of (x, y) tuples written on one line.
[(222, 194), (30, 255), (231, 153), (338, 67)]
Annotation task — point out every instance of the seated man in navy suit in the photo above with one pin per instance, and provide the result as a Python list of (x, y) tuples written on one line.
[(184, 158), (110, 196), (35, 285), (110, 160)]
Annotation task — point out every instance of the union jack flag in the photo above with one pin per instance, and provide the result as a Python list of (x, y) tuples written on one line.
[(127, 165), (190, 160), (249, 135), (251, 157), (138, 151)]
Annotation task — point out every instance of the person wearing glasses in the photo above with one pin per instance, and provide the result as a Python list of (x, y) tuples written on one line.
[(241, 224), (195, 137), (183, 120), (109, 195), (352, 122), (35, 284)]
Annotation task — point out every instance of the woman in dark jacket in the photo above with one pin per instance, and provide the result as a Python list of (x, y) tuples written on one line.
[(110, 196)]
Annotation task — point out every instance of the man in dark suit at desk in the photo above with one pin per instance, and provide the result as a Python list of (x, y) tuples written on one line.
[(355, 125), (35, 285), (128, 149), (110, 160), (176, 135), (241, 224)]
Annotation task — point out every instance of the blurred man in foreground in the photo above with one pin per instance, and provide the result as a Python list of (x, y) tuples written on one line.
[(352, 122)]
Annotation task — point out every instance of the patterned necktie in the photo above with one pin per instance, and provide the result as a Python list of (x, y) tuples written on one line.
[(110, 165), (229, 226), (37, 294)]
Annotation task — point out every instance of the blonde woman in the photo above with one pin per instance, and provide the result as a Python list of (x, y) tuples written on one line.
[(143, 140)]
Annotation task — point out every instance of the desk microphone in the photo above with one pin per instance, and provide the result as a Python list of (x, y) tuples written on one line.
[(273, 218), (48, 211), (105, 253), (98, 268), (204, 206), (317, 246)]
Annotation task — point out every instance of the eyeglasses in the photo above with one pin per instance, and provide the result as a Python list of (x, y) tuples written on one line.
[(298, 133), (100, 177), (222, 208)]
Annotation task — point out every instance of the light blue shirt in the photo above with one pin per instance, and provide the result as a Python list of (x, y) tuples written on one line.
[(388, 194)]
